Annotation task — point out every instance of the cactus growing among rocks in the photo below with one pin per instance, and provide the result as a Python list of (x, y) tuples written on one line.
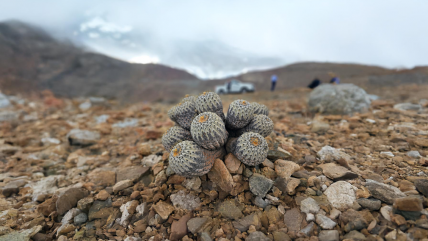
[(260, 109), (240, 113), (175, 135), (259, 124), (250, 148), (184, 113), (208, 131), (188, 159), (190, 98), (209, 102)]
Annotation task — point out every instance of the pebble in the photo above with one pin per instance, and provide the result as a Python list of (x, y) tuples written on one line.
[(196, 225), (370, 203), (337, 173), (179, 228), (386, 212), (230, 209), (184, 200), (163, 209), (119, 186), (408, 204), (341, 195), (292, 184), (69, 198), (80, 219), (355, 235), (293, 219), (284, 169), (79, 137), (329, 235), (257, 236), (193, 183), (232, 163), (260, 185), (422, 186), (274, 155), (309, 205), (325, 222), (132, 173), (330, 154), (221, 176), (414, 154), (385, 193), (244, 223), (260, 202)]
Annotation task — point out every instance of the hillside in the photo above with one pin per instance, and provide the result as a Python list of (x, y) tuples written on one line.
[(31, 61)]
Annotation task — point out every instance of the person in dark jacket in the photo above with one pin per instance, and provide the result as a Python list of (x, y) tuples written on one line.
[(314, 83)]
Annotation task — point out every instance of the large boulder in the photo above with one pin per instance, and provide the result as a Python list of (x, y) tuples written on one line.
[(342, 99)]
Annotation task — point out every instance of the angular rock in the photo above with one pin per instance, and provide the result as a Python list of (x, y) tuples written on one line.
[(80, 219), (163, 209), (343, 99), (179, 228), (232, 163), (260, 185), (284, 169), (230, 209), (100, 210), (274, 155), (408, 204), (244, 223), (132, 173), (325, 222), (196, 225), (69, 198), (408, 106), (309, 205), (193, 183), (337, 173), (119, 186), (422, 186), (292, 184), (185, 200), (330, 154), (293, 219), (221, 176), (12, 187), (355, 235), (257, 236), (102, 178), (370, 203), (384, 192), (22, 235), (329, 235), (341, 195), (77, 137)]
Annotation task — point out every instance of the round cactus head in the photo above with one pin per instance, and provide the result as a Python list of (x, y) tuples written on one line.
[(184, 114), (261, 124), (208, 131), (240, 113), (251, 148), (209, 102), (175, 135), (190, 98), (171, 113), (188, 159), (260, 109)]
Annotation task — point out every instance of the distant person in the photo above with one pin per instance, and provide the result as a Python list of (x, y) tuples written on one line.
[(334, 79), (314, 83), (273, 79), (228, 86)]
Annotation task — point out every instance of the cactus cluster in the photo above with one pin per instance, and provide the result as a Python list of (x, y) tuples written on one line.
[(203, 133)]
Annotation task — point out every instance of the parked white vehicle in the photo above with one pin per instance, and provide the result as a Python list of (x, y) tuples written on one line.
[(234, 86)]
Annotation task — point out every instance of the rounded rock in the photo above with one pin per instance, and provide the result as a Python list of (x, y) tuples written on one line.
[(239, 114), (251, 148), (188, 159), (208, 131), (209, 102), (259, 124), (175, 135)]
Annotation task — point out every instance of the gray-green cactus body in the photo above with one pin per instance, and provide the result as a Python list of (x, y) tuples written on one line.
[(261, 124), (240, 113), (189, 98), (208, 131), (210, 102), (260, 109), (250, 148), (171, 114), (188, 159), (184, 114), (175, 135)]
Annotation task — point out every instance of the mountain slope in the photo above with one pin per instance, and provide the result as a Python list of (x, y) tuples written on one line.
[(31, 61)]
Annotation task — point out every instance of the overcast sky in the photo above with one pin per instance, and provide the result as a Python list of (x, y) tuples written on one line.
[(389, 33)]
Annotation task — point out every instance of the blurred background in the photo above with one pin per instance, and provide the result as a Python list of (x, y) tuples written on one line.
[(160, 50)]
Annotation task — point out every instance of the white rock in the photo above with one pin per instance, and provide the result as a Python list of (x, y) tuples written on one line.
[(341, 195), (324, 222), (387, 154), (185, 201), (310, 217), (151, 160), (309, 205), (385, 211), (45, 186), (334, 213), (414, 154), (130, 122), (329, 154)]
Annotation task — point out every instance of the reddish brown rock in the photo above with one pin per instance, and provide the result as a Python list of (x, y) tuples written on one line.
[(179, 228), (221, 176), (232, 163)]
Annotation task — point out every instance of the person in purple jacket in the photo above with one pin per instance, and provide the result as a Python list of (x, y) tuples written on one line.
[(273, 79)]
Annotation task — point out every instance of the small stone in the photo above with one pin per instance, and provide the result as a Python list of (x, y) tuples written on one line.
[(69, 198), (132, 173), (355, 235), (329, 235), (325, 222), (69, 216), (260, 185), (119, 186), (386, 212), (179, 228), (185, 201), (151, 160), (370, 204), (204, 236), (422, 186), (229, 209), (22, 235), (309, 229), (79, 137), (330, 154), (221, 176), (309, 205), (12, 187), (102, 195), (100, 209), (65, 228), (310, 217), (341, 195), (274, 155), (408, 204), (260, 202), (80, 219), (285, 169), (232, 163), (407, 106), (85, 203), (281, 236), (334, 213), (196, 225), (319, 127), (244, 223), (102, 178), (144, 149), (337, 173), (127, 209), (384, 192), (292, 184), (163, 209), (193, 183), (293, 219), (414, 154), (257, 236)]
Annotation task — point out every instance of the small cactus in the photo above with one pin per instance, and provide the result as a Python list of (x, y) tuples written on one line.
[(240, 113), (190, 98), (188, 159), (184, 114), (260, 109), (210, 102), (175, 135), (171, 113), (208, 131), (261, 124), (251, 148)]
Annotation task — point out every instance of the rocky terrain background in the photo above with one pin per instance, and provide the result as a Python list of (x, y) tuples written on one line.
[(32, 61), (89, 169)]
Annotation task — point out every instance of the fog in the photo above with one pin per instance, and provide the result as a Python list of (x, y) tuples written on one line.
[(264, 34)]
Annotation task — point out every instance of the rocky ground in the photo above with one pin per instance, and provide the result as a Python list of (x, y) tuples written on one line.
[(91, 170)]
